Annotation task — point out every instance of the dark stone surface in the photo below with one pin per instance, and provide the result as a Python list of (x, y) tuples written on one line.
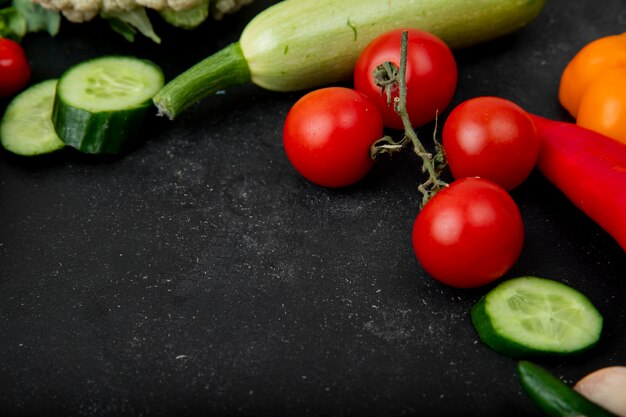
[(199, 275)]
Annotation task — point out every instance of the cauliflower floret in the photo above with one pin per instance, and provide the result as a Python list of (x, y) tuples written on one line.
[(112, 6), (222, 7), (79, 11), (176, 5), (78, 16), (153, 4)]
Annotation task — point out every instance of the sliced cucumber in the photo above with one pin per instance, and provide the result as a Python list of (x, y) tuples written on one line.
[(553, 396), (101, 103), (532, 316), (26, 127)]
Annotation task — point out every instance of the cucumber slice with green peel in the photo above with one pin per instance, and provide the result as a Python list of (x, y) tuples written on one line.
[(26, 128), (101, 103), (553, 396), (530, 316)]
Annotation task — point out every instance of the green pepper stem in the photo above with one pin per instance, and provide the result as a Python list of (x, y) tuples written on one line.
[(224, 69)]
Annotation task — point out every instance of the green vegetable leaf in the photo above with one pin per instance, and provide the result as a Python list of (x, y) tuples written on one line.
[(123, 28), (127, 23), (12, 24), (187, 19), (37, 17)]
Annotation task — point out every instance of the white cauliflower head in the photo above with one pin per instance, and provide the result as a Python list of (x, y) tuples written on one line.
[(79, 11)]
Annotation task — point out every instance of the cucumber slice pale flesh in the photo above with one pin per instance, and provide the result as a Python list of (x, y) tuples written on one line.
[(101, 103), (26, 128), (530, 316)]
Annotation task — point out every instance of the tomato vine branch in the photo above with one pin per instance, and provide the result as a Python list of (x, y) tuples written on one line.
[(389, 77)]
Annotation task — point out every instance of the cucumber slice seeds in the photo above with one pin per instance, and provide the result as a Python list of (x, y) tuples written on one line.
[(26, 128), (532, 316), (110, 83), (101, 103)]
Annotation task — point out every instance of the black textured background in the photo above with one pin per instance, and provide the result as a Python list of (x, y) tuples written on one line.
[(200, 275)]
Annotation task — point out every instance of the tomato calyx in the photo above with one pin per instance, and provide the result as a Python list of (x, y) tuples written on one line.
[(389, 77), (386, 77)]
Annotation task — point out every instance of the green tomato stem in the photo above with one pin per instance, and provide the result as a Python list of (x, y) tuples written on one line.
[(386, 77), (225, 68), (418, 147)]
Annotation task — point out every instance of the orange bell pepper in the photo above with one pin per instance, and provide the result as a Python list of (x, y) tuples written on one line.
[(593, 86)]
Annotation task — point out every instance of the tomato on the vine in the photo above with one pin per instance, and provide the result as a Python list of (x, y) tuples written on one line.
[(469, 234), (492, 138), (431, 75), (14, 68), (328, 134)]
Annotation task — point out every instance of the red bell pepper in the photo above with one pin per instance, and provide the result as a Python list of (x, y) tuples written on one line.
[(589, 168)]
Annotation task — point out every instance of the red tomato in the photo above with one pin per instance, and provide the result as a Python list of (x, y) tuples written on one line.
[(431, 75), (14, 68), (469, 234), (328, 134), (492, 138)]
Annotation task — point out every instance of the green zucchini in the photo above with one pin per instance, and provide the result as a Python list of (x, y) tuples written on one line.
[(300, 44), (100, 103), (26, 128), (530, 316), (553, 396)]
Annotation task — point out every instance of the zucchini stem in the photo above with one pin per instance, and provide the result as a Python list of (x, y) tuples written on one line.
[(223, 69)]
